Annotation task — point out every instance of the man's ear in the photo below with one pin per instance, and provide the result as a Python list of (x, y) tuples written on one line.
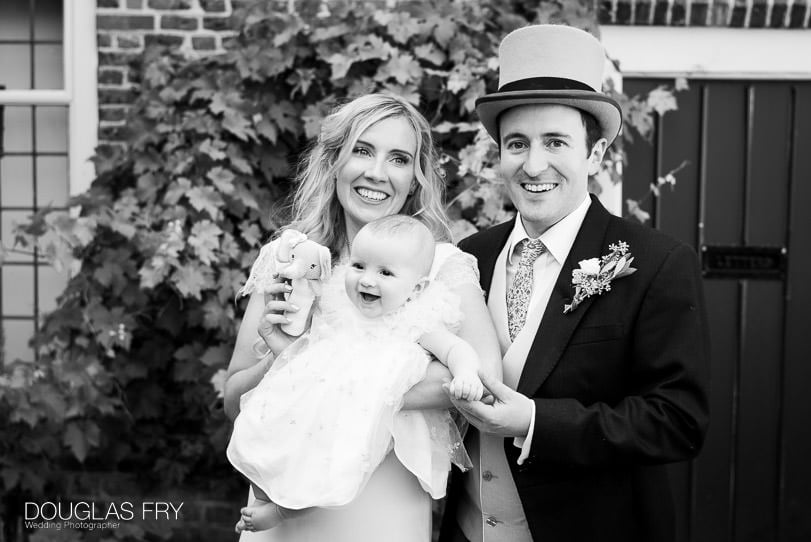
[(596, 155)]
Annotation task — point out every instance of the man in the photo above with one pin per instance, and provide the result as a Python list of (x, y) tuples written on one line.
[(600, 390)]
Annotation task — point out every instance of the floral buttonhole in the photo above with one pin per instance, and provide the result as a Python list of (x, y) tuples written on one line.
[(596, 274)]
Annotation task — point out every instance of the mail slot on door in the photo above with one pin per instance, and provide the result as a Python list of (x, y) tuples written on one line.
[(743, 262)]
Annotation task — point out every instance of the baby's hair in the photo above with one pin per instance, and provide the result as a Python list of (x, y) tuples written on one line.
[(408, 227)]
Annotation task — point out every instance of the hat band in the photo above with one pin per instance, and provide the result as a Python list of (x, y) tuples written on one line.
[(544, 83)]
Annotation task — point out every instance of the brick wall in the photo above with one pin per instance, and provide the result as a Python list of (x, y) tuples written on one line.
[(719, 13), (126, 27)]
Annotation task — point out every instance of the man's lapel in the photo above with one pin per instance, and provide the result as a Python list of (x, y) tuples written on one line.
[(556, 328), (488, 253)]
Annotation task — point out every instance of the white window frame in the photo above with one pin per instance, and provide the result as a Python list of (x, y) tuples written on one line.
[(709, 53), (79, 94)]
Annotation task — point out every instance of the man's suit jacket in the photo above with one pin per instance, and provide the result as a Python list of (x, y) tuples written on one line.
[(619, 387)]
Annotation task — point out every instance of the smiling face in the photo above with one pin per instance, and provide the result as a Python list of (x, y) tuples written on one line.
[(545, 163), (385, 271), (379, 173)]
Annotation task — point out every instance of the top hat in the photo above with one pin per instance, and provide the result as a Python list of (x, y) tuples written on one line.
[(551, 64)]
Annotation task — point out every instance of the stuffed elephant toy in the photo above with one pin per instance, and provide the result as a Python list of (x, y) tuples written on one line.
[(305, 264)]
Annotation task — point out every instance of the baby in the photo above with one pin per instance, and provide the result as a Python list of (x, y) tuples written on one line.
[(328, 411)]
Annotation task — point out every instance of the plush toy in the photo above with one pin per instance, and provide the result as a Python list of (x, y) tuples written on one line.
[(305, 264)]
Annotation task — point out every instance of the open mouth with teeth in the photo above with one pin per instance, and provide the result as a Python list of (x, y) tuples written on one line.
[(371, 195), (538, 188), (369, 298)]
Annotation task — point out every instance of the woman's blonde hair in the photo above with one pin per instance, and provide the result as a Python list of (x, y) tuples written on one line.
[(316, 209)]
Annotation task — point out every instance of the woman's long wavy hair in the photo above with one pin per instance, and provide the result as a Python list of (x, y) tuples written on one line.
[(316, 209)]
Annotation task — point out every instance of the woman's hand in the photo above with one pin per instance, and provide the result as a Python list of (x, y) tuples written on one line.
[(273, 317)]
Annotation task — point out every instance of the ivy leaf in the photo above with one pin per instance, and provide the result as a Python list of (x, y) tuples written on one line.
[(246, 197), (431, 53), (191, 279), (459, 78), (212, 150), (444, 31), (177, 189), (11, 477), (312, 116), (215, 316), (285, 116), (238, 162), (681, 84), (471, 94), (218, 383), (252, 235), (340, 65), (74, 438), (636, 211), (204, 239), (237, 124), (329, 32), (401, 27), (216, 355), (403, 68), (408, 92), (266, 128), (662, 100), (206, 199), (222, 178)]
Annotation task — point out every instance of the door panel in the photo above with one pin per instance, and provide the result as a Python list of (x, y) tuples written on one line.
[(746, 185)]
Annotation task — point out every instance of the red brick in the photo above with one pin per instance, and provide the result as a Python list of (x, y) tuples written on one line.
[(116, 96), (778, 15), (797, 16), (213, 5), (660, 12), (113, 133), (216, 23), (129, 42), (125, 22), (604, 12), (135, 4), (698, 14), (757, 17), (118, 59), (204, 43), (738, 19), (719, 14), (169, 4), (642, 14), (173, 22), (623, 15), (111, 77), (113, 114), (678, 13), (163, 40), (103, 39), (107, 3)]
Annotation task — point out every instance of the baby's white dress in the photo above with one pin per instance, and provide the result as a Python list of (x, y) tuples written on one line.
[(324, 427)]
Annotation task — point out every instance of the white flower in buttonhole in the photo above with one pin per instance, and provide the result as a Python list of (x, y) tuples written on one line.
[(595, 274)]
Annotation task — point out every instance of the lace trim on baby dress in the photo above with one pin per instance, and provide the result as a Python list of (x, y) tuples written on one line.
[(262, 270)]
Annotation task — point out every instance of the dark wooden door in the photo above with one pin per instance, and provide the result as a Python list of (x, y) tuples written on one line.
[(747, 184)]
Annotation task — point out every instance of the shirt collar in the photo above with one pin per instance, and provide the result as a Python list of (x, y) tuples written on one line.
[(558, 239)]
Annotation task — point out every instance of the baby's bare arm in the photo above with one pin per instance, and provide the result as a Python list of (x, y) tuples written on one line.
[(460, 358)]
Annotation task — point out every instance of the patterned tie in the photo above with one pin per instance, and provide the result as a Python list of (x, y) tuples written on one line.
[(521, 289)]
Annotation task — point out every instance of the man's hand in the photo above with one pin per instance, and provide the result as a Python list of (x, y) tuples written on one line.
[(509, 415)]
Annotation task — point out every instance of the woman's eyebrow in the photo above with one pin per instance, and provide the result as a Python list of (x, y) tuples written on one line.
[(370, 145)]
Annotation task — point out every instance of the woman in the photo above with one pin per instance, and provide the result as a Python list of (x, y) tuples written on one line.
[(373, 158)]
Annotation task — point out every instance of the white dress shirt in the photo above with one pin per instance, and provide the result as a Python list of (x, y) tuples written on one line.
[(490, 509)]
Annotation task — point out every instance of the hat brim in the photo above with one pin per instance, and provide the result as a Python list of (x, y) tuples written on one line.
[(605, 110)]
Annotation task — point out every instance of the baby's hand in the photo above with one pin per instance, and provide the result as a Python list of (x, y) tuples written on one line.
[(467, 386)]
